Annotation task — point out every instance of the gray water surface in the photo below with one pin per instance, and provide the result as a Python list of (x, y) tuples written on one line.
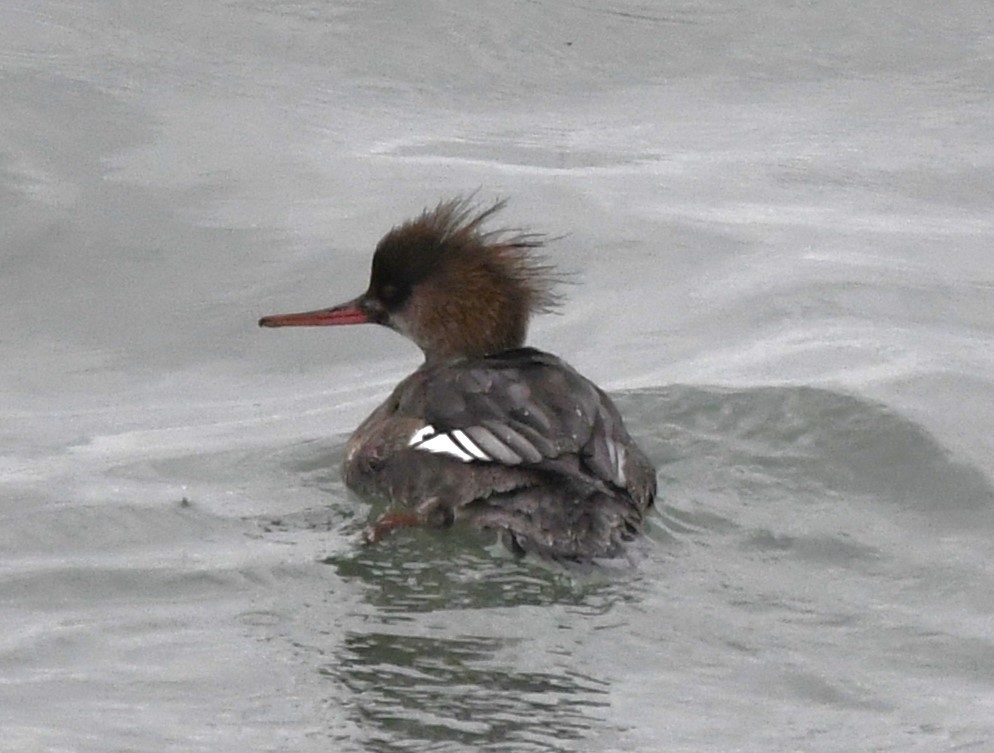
[(777, 220)]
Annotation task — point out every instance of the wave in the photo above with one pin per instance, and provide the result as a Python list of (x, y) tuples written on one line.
[(808, 441)]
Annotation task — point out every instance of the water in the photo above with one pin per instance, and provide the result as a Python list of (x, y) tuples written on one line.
[(778, 219)]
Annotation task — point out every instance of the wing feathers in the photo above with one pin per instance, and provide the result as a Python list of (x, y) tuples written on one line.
[(527, 408), (493, 446), (513, 441), (469, 445), (444, 444)]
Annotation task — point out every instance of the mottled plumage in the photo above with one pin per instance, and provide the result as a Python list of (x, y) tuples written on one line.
[(505, 437)]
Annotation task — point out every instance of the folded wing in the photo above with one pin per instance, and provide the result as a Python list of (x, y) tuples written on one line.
[(529, 409)]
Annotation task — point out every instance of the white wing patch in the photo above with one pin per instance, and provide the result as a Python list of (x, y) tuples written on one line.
[(474, 449), (621, 455), (425, 431), (455, 444)]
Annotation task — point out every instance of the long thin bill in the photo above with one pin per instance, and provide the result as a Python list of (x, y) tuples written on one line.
[(346, 313)]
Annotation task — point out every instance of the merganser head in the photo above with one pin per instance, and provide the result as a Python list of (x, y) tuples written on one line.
[(454, 289)]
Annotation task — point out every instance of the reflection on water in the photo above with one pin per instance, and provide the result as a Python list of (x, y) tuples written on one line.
[(426, 693), (445, 656), (426, 571)]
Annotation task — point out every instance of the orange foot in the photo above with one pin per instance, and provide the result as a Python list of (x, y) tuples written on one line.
[(388, 523)]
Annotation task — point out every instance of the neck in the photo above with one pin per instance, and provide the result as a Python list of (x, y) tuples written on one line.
[(439, 356)]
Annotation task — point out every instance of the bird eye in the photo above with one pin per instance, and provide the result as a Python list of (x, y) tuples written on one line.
[(389, 292)]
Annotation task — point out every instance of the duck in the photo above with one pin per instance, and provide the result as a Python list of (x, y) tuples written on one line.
[(487, 430)]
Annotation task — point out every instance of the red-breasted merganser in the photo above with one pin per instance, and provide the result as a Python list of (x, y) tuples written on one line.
[(486, 430)]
